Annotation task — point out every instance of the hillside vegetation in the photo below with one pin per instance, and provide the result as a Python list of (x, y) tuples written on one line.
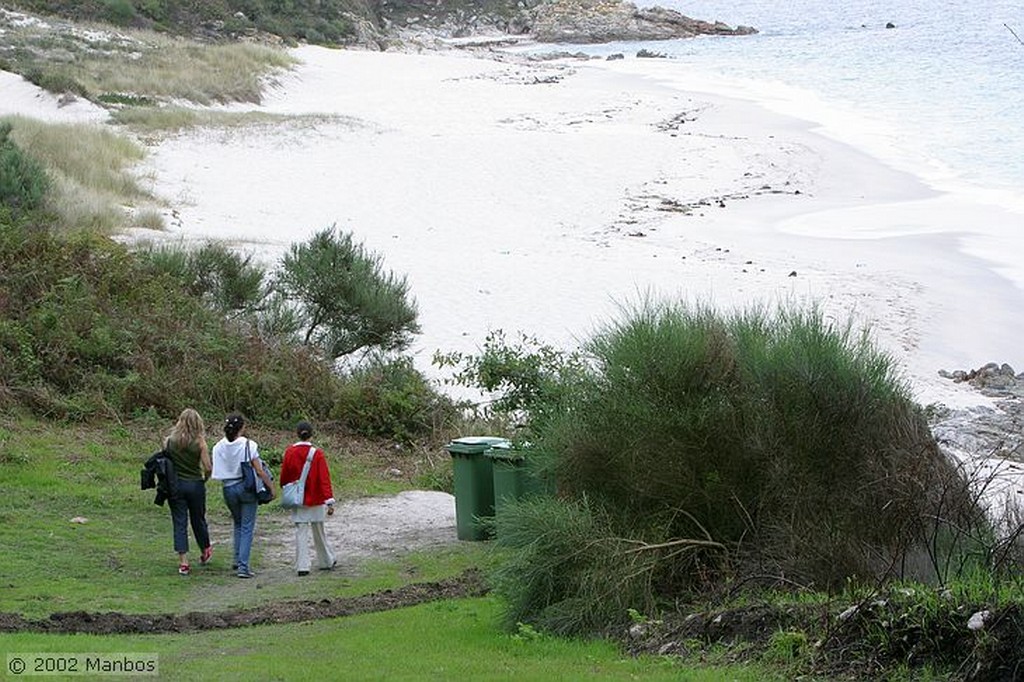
[(328, 22)]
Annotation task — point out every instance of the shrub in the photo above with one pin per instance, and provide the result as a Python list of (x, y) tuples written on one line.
[(88, 330), (391, 398), (226, 281), (763, 443), (526, 381), (23, 181), (567, 567), (119, 12)]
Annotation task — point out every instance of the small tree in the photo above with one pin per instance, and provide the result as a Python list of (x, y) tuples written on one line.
[(346, 298)]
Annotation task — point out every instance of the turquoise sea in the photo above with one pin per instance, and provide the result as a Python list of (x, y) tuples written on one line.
[(941, 94)]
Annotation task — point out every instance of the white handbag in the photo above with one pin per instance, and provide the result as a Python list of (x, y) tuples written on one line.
[(293, 494)]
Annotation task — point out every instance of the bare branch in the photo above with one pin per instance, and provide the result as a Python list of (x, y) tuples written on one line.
[(1014, 34)]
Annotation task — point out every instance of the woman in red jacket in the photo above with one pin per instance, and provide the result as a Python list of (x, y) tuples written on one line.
[(318, 502)]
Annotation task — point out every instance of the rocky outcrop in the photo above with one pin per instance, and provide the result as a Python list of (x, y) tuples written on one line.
[(602, 21), (546, 21)]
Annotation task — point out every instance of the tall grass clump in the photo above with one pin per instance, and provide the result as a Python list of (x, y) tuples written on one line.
[(141, 67), (718, 448), (185, 70), (558, 576)]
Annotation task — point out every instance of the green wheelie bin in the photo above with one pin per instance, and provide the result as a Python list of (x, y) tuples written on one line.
[(510, 475), (474, 484)]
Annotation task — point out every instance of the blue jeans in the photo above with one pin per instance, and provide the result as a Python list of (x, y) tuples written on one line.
[(189, 504), (243, 507)]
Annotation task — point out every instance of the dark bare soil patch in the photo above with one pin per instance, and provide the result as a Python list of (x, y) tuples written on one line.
[(468, 584)]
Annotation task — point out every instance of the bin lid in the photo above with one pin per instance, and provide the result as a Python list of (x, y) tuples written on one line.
[(503, 451), (473, 445)]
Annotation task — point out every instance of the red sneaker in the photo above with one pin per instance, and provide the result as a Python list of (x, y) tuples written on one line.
[(184, 569), (204, 558)]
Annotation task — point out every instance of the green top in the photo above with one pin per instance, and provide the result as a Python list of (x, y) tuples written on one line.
[(186, 461)]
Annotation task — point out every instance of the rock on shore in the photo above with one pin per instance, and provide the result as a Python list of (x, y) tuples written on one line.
[(547, 21), (602, 21)]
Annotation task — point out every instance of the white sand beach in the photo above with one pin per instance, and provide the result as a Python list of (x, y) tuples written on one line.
[(539, 197)]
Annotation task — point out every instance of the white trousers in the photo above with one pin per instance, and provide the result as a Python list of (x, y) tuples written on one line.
[(303, 529)]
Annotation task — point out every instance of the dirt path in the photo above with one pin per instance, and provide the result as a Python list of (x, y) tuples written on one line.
[(110, 623)]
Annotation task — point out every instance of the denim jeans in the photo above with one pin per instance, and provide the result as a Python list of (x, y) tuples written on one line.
[(189, 504), (243, 507)]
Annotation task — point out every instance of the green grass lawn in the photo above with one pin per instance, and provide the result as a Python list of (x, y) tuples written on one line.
[(52, 474), (446, 640)]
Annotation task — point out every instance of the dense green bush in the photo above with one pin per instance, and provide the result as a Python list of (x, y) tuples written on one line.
[(226, 281), (119, 12), (389, 397), (765, 443), (23, 181), (87, 330)]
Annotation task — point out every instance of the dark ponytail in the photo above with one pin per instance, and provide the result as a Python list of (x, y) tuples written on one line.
[(233, 424)]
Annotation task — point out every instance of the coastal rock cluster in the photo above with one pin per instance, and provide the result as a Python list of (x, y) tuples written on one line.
[(602, 21), (985, 432), (548, 21), (994, 380)]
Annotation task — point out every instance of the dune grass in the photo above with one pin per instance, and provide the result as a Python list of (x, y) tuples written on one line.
[(172, 119), (103, 64)]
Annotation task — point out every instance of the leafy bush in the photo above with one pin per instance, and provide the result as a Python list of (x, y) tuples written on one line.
[(227, 281), (348, 301), (391, 398), (528, 379), (23, 181), (760, 444), (119, 12)]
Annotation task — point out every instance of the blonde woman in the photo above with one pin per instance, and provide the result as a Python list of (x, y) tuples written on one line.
[(186, 447)]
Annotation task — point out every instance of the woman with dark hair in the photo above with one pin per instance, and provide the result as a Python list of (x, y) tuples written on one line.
[(317, 504), (228, 455), (186, 447)]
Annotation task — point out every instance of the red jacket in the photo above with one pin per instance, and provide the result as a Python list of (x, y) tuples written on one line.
[(318, 482)]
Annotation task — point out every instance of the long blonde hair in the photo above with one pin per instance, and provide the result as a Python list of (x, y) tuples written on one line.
[(188, 430)]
